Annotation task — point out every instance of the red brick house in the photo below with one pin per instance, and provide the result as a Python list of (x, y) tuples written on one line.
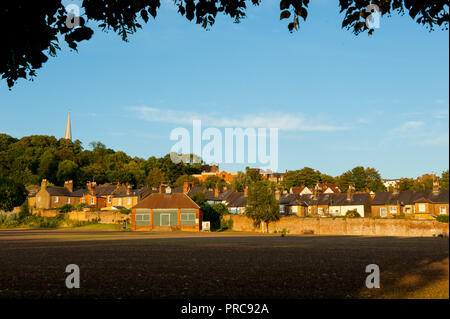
[(166, 211)]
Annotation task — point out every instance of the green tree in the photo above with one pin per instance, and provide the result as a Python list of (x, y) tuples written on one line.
[(214, 213), (261, 203), (67, 170), (155, 178), (406, 184), (304, 177), (199, 198), (240, 181), (11, 194), (212, 182), (362, 178), (253, 174), (185, 178), (373, 180)]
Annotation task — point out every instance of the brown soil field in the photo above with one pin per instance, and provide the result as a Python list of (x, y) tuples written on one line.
[(181, 265)]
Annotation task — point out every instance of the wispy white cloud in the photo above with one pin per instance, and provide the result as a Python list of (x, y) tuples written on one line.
[(419, 133), (437, 140), (441, 114), (410, 125), (282, 121)]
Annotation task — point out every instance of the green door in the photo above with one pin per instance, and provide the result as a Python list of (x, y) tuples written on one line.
[(165, 219)]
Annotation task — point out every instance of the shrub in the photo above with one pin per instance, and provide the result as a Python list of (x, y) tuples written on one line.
[(79, 206), (352, 214), (442, 218), (24, 210), (66, 208), (214, 213), (125, 211), (226, 224)]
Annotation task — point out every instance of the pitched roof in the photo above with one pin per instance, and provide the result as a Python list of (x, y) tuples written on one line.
[(287, 199), (167, 201), (58, 191), (237, 199), (410, 197)]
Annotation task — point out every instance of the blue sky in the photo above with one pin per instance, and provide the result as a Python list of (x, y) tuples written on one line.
[(339, 100)]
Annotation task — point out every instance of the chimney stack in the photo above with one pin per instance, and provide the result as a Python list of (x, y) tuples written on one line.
[(91, 187), (69, 185), (187, 187), (44, 184), (162, 188), (396, 188), (436, 185), (246, 191), (128, 189), (277, 194), (316, 192), (216, 192), (350, 191)]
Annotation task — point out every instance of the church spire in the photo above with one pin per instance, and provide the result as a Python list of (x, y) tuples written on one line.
[(68, 134)]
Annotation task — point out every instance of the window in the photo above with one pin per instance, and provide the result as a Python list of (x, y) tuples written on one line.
[(442, 210), (383, 212), (320, 210), (309, 209), (38, 199), (109, 199), (56, 199), (294, 209), (120, 201), (422, 208), (129, 201), (408, 210), (92, 201), (187, 219), (393, 209), (68, 200)]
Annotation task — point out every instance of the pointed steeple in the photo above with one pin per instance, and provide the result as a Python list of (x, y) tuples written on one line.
[(68, 134)]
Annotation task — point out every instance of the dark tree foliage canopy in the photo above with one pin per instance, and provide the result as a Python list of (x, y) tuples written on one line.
[(32, 158), (33, 29)]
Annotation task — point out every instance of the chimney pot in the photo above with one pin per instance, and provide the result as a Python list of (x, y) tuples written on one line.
[(350, 191), (436, 185), (69, 185)]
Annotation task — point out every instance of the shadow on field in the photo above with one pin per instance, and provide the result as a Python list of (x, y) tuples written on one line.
[(227, 266)]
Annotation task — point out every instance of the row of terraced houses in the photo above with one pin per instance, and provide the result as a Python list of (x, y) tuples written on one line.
[(174, 208)]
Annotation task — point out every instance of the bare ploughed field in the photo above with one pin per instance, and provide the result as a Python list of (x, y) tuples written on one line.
[(179, 265)]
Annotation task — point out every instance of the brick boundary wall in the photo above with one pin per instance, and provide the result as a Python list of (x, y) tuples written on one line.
[(347, 226), (103, 217)]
